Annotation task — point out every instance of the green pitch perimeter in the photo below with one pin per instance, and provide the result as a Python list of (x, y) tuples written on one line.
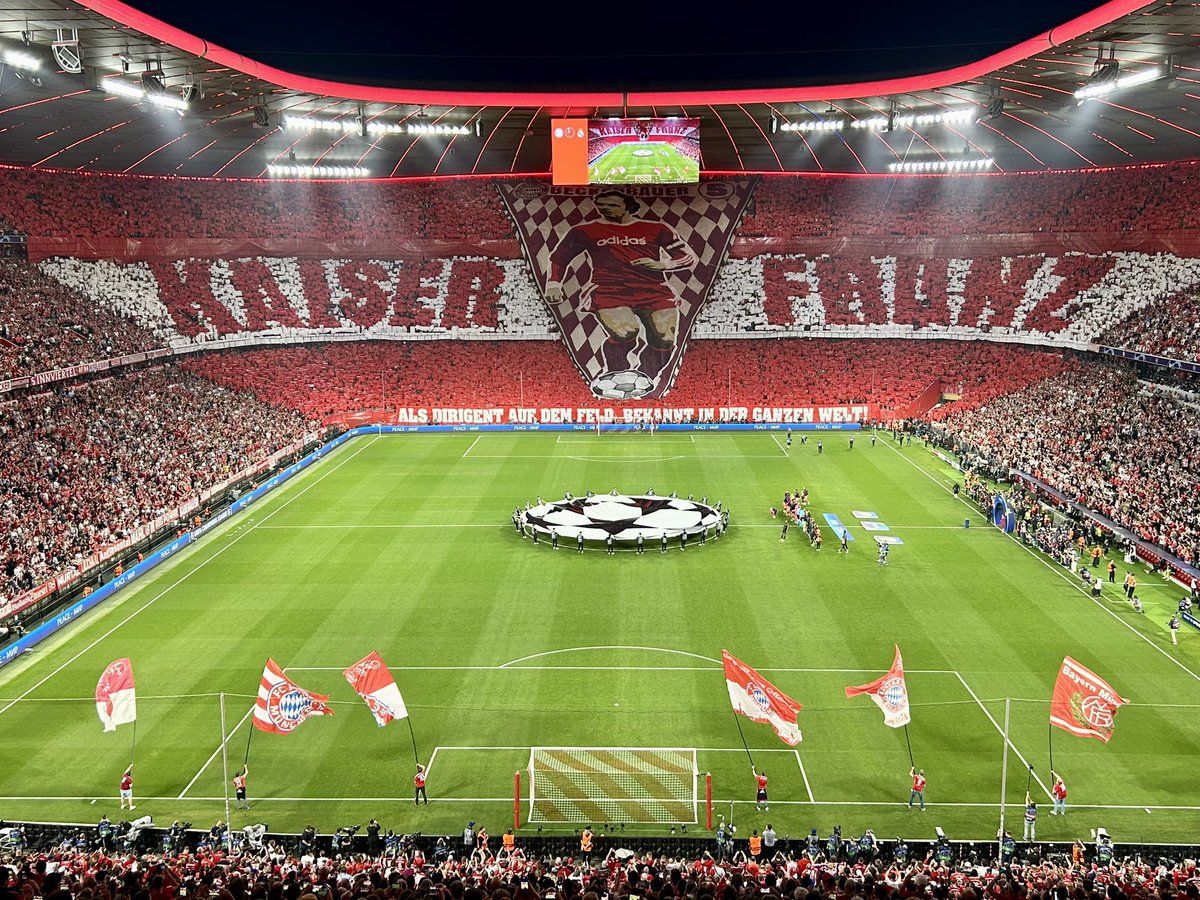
[(663, 165), (402, 544)]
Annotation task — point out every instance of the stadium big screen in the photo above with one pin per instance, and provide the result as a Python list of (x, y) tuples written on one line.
[(626, 151)]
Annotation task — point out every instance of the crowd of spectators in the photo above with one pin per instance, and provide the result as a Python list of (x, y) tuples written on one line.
[(1169, 327), (65, 204), (87, 463), (46, 325), (1122, 199), (1104, 440), (338, 378), (445, 872)]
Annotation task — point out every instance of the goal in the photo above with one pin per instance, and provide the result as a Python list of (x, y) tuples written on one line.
[(612, 784)]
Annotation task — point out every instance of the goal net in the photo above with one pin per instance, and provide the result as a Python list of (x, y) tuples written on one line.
[(610, 784)]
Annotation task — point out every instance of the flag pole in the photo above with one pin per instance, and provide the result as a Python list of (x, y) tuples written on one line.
[(252, 729), (1003, 782), (909, 743), (225, 758), (743, 736), (1050, 740), (133, 744), (412, 734)]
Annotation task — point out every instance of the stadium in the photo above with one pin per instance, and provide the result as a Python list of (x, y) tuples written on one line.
[(521, 489)]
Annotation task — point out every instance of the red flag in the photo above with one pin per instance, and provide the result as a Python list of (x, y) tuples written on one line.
[(116, 701), (1083, 702), (373, 682), (760, 701), (282, 704), (889, 693)]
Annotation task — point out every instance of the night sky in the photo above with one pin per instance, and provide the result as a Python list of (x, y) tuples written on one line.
[(614, 46)]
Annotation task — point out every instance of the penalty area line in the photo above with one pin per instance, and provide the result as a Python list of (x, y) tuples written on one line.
[(473, 443), (782, 449)]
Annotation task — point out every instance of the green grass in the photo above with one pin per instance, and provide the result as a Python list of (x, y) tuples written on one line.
[(664, 165), (402, 544)]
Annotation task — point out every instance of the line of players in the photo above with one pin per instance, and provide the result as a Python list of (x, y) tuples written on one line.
[(795, 512)]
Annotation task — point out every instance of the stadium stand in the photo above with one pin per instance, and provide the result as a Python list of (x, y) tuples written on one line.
[(45, 325), (86, 464), (1169, 327), (333, 379), (1105, 440), (61, 204)]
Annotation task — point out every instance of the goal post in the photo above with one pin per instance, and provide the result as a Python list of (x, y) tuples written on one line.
[(613, 784)]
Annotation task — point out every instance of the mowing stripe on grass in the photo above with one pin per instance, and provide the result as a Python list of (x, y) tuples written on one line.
[(1040, 557), (185, 577), (1020, 755)]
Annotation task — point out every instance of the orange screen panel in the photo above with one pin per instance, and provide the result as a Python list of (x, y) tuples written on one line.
[(569, 151)]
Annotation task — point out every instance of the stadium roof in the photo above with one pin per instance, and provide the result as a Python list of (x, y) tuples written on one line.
[(1017, 106)]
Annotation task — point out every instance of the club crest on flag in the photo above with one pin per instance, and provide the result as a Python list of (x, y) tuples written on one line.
[(889, 692), (287, 706), (1084, 703), (282, 704), (372, 681), (757, 699)]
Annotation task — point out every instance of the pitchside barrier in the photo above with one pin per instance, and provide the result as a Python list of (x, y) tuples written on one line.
[(47, 836)]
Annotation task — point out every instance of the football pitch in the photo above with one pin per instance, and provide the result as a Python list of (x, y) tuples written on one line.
[(643, 163), (403, 544)]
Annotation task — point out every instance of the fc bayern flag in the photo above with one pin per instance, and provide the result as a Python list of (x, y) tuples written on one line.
[(116, 701), (373, 682), (283, 704), (889, 693), (760, 701), (1083, 702)]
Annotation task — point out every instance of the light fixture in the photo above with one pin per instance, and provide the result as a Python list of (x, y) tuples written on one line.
[(976, 164), (133, 92), (1097, 87), (419, 128), (960, 116), (814, 125), (276, 170), (66, 51), (19, 59)]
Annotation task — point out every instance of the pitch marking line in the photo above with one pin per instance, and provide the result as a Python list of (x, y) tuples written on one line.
[(1040, 557), (677, 439), (220, 746), (796, 753), (782, 449), (507, 668), (508, 801), (190, 573), (473, 443), (1020, 755)]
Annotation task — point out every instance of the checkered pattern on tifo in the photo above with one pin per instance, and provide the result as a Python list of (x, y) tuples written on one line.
[(705, 223)]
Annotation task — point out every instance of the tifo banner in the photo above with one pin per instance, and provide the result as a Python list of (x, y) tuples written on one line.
[(116, 699), (625, 272), (760, 701), (372, 681), (1068, 299), (283, 704), (1083, 702), (890, 694), (630, 415)]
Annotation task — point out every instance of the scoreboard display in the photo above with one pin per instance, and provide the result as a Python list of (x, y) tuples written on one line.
[(625, 151)]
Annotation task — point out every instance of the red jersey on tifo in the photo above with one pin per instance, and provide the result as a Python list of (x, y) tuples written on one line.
[(612, 249), (762, 782), (918, 783)]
